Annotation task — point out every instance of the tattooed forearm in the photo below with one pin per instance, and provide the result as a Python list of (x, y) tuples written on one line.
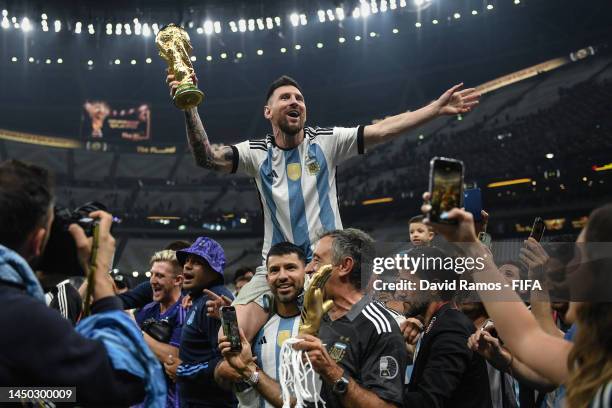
[(205, 155)]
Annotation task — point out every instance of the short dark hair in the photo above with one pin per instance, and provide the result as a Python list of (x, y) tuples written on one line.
[(286, 248), (356, 244), (282, 81), (417, 218), (241, 272), (26, 194), (178, 245)]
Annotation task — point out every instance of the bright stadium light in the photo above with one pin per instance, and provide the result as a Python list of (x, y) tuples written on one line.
[(374, 6), (357, 38), (303, 20), (208, 27), (489, 7), (238, 55), (372, 34), (242, 25), (118, 29), (128, 29), (148, 60), (133, 62), (298, 47), (91, 30), (14, 59), (402, 3), (233, 26), (146, 31), (31, 59), (550, 156), (259, 52), (340, 13), (341, 40), (395, 30), (295, 19), (283, 50), (78, 27), (330, 15), (42, 16), (383, 6), (209, 58), (135, 274), (356, 12), (117, 61), (5, 23), (319, 45), (223, 55), (155, 28), (365, 9), (417, 24), (269, 23), (148, 273), (90, 63), (58, 26), (25, 25), (457, 16), (517, 1), (217, 27), (277, 21), (48, 61), (251, 24), (60, 61), (392, 4), (200, 30), (434, 21), (5, 13), (474, 12), (260, 24), (321, 15)]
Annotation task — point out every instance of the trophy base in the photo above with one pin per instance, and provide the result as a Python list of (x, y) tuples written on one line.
[(188, 96)]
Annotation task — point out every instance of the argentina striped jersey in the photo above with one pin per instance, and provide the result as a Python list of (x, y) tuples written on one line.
[(297, 187)]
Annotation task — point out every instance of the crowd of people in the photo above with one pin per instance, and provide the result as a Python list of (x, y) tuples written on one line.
[(162, 343)]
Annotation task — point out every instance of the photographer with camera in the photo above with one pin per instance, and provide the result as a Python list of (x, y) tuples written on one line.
[(105, 358)]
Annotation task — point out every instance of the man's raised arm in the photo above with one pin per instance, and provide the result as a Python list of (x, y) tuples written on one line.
[(452, 102), (219, 158)]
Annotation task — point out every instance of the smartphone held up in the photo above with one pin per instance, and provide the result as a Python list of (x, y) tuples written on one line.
[(229, 322), (446, 188)]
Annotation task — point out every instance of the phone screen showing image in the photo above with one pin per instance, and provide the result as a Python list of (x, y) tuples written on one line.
[(446, 186), (229, 321)]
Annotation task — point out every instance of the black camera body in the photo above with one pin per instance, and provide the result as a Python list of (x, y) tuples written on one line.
[(60, 255)]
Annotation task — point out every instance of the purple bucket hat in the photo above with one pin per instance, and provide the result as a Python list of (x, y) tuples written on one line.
[(207, 249)]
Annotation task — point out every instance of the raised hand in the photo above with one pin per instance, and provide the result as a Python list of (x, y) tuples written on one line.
[(535, 257), (456, 101), (214, 304)]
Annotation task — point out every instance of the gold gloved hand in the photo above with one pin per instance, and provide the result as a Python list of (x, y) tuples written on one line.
[(315, 305)]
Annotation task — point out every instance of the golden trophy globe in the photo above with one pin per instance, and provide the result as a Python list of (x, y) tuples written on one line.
[(175, 48)]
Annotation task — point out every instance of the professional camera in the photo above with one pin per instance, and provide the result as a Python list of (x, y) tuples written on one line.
[(60, 256)]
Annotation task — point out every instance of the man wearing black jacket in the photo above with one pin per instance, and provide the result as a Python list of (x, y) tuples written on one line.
[(38, 346), (446, 373)]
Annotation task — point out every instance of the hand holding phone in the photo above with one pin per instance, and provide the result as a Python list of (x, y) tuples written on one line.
[(537, 231), (229, 322)]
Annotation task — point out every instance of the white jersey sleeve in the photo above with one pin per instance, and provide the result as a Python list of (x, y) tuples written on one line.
[(341, 143), (247, 156)]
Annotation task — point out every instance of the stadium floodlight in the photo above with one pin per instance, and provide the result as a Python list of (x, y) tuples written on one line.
[(474, 12), (402, 3), (319, 45), (298, 47), (295, 19), (128, 29), (223, 55), (456, 16), (5, 13), (277, 21), (383, 6), (238, 55), (269, 23), (25, 25), (233, 26), (148, 273), (60, 61), (91, 29), (517, 1), (117, 61), (341, 40), (14, 59), (489, 7), (146, 31), (340, 13), (303, 20), (356, 12), (434, 21), (135, 274), (209, 58), (395, 30), (193, 58), (372, 34), (260, 24), (58, 26), (48, 61), (148, 60), (208, 27), (155, 28), (330, 15), (283, 50), (392, 4), (259, 52), (133, 62), (5, 23), (200, 30), (374, 7), (31, 59), (357, 38), (321, 15), (417, 25), (251, 24), (550, 156), (77, 27), (242, 25), (16, 25), (217, 27), (90, 63), (419, 3), (42, 16), (118, 29), (365, 9)]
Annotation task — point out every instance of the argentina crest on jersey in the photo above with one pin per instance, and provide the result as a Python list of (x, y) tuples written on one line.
[(338, 350)]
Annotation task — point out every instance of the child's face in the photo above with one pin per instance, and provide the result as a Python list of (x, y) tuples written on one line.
[(420, 234)]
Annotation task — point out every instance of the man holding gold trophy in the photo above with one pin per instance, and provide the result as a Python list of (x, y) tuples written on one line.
[(294, 167)]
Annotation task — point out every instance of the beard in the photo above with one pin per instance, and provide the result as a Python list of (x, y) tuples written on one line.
[(417, 309), (290, 130)]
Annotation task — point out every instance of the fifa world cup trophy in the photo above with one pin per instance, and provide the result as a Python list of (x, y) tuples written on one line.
[(175, 48)]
